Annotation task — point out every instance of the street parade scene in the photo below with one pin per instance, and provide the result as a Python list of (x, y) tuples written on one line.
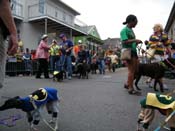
[(58, 73)]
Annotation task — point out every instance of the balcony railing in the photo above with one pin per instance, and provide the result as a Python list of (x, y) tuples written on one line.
[(17, 9), (38, 11)]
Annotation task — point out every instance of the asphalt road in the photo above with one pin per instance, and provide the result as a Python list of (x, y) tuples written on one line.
[(99, 103)]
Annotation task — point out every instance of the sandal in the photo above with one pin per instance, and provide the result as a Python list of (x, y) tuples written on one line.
[(133, 92)]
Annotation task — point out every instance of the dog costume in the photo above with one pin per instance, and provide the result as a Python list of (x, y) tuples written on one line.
[(163, 103), (34, 103)]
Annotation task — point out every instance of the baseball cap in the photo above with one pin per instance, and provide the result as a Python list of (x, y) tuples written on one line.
[(62, 35), (130, 18), (80, 41)]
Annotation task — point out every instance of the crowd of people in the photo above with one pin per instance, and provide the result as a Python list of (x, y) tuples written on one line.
[(62, 56)]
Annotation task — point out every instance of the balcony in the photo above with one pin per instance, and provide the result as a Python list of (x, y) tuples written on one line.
[(57, 18), (17, 10)]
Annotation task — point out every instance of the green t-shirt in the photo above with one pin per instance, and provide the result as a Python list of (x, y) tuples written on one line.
[(126, 34)]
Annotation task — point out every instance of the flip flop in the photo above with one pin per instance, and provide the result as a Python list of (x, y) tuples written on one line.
[(133, 92)]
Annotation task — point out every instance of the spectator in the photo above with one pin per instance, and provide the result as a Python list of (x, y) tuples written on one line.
[(114, 61), (20, 45), (42, 56), (33, 55), (129, 40), (66, 50), (159, 45), (7, 28), (54, 56), (108, 59), (159, 42), (27, 62), (82, 54), (76, 48), (101, 60)]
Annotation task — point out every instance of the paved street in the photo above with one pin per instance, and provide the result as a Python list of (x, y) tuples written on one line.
[(97, 104)]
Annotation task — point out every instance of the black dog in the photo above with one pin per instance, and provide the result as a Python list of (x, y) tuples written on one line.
[(83, 69), (155, 71), (58, 75), (94, 67), (34, 103)]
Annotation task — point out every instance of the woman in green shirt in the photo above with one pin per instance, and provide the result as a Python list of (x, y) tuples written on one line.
[(128, 39)]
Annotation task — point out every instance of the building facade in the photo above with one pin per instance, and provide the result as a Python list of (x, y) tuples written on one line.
[(92, 40), (170, 25), (34, 18), (112, 43)]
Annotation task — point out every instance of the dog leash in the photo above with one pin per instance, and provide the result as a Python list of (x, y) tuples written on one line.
[(170, 63), (35, 107), (165, 121)]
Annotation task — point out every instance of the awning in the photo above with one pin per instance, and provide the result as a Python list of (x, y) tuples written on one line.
[(58, 25)]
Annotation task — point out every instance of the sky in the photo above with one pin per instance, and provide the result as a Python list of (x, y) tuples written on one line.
[(108, 15)]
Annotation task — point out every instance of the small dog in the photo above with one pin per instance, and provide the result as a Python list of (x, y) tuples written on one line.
[(163, 103), (34, 103), (94, 66), (58, 75), (155, 71), (83, 70)]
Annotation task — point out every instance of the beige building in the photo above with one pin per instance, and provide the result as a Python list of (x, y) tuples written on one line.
[(33, 18), (170, 25)]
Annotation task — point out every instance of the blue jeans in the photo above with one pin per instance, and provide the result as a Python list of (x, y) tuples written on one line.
[(54, 60), (69, 65), (61, 63), (66, 64), (101, 66)]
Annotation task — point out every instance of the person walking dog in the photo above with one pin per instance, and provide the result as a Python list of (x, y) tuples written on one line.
[(129, 41)]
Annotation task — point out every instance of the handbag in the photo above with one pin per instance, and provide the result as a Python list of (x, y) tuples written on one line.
[(150, 53), (126, 54)]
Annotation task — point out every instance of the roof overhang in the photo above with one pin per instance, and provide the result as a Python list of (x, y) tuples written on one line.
[(18, 17), (57, 25), (72, 10), (94, 39)]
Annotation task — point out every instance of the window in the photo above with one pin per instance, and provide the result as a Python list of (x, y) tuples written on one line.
[(64, 16), (41, 6)]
